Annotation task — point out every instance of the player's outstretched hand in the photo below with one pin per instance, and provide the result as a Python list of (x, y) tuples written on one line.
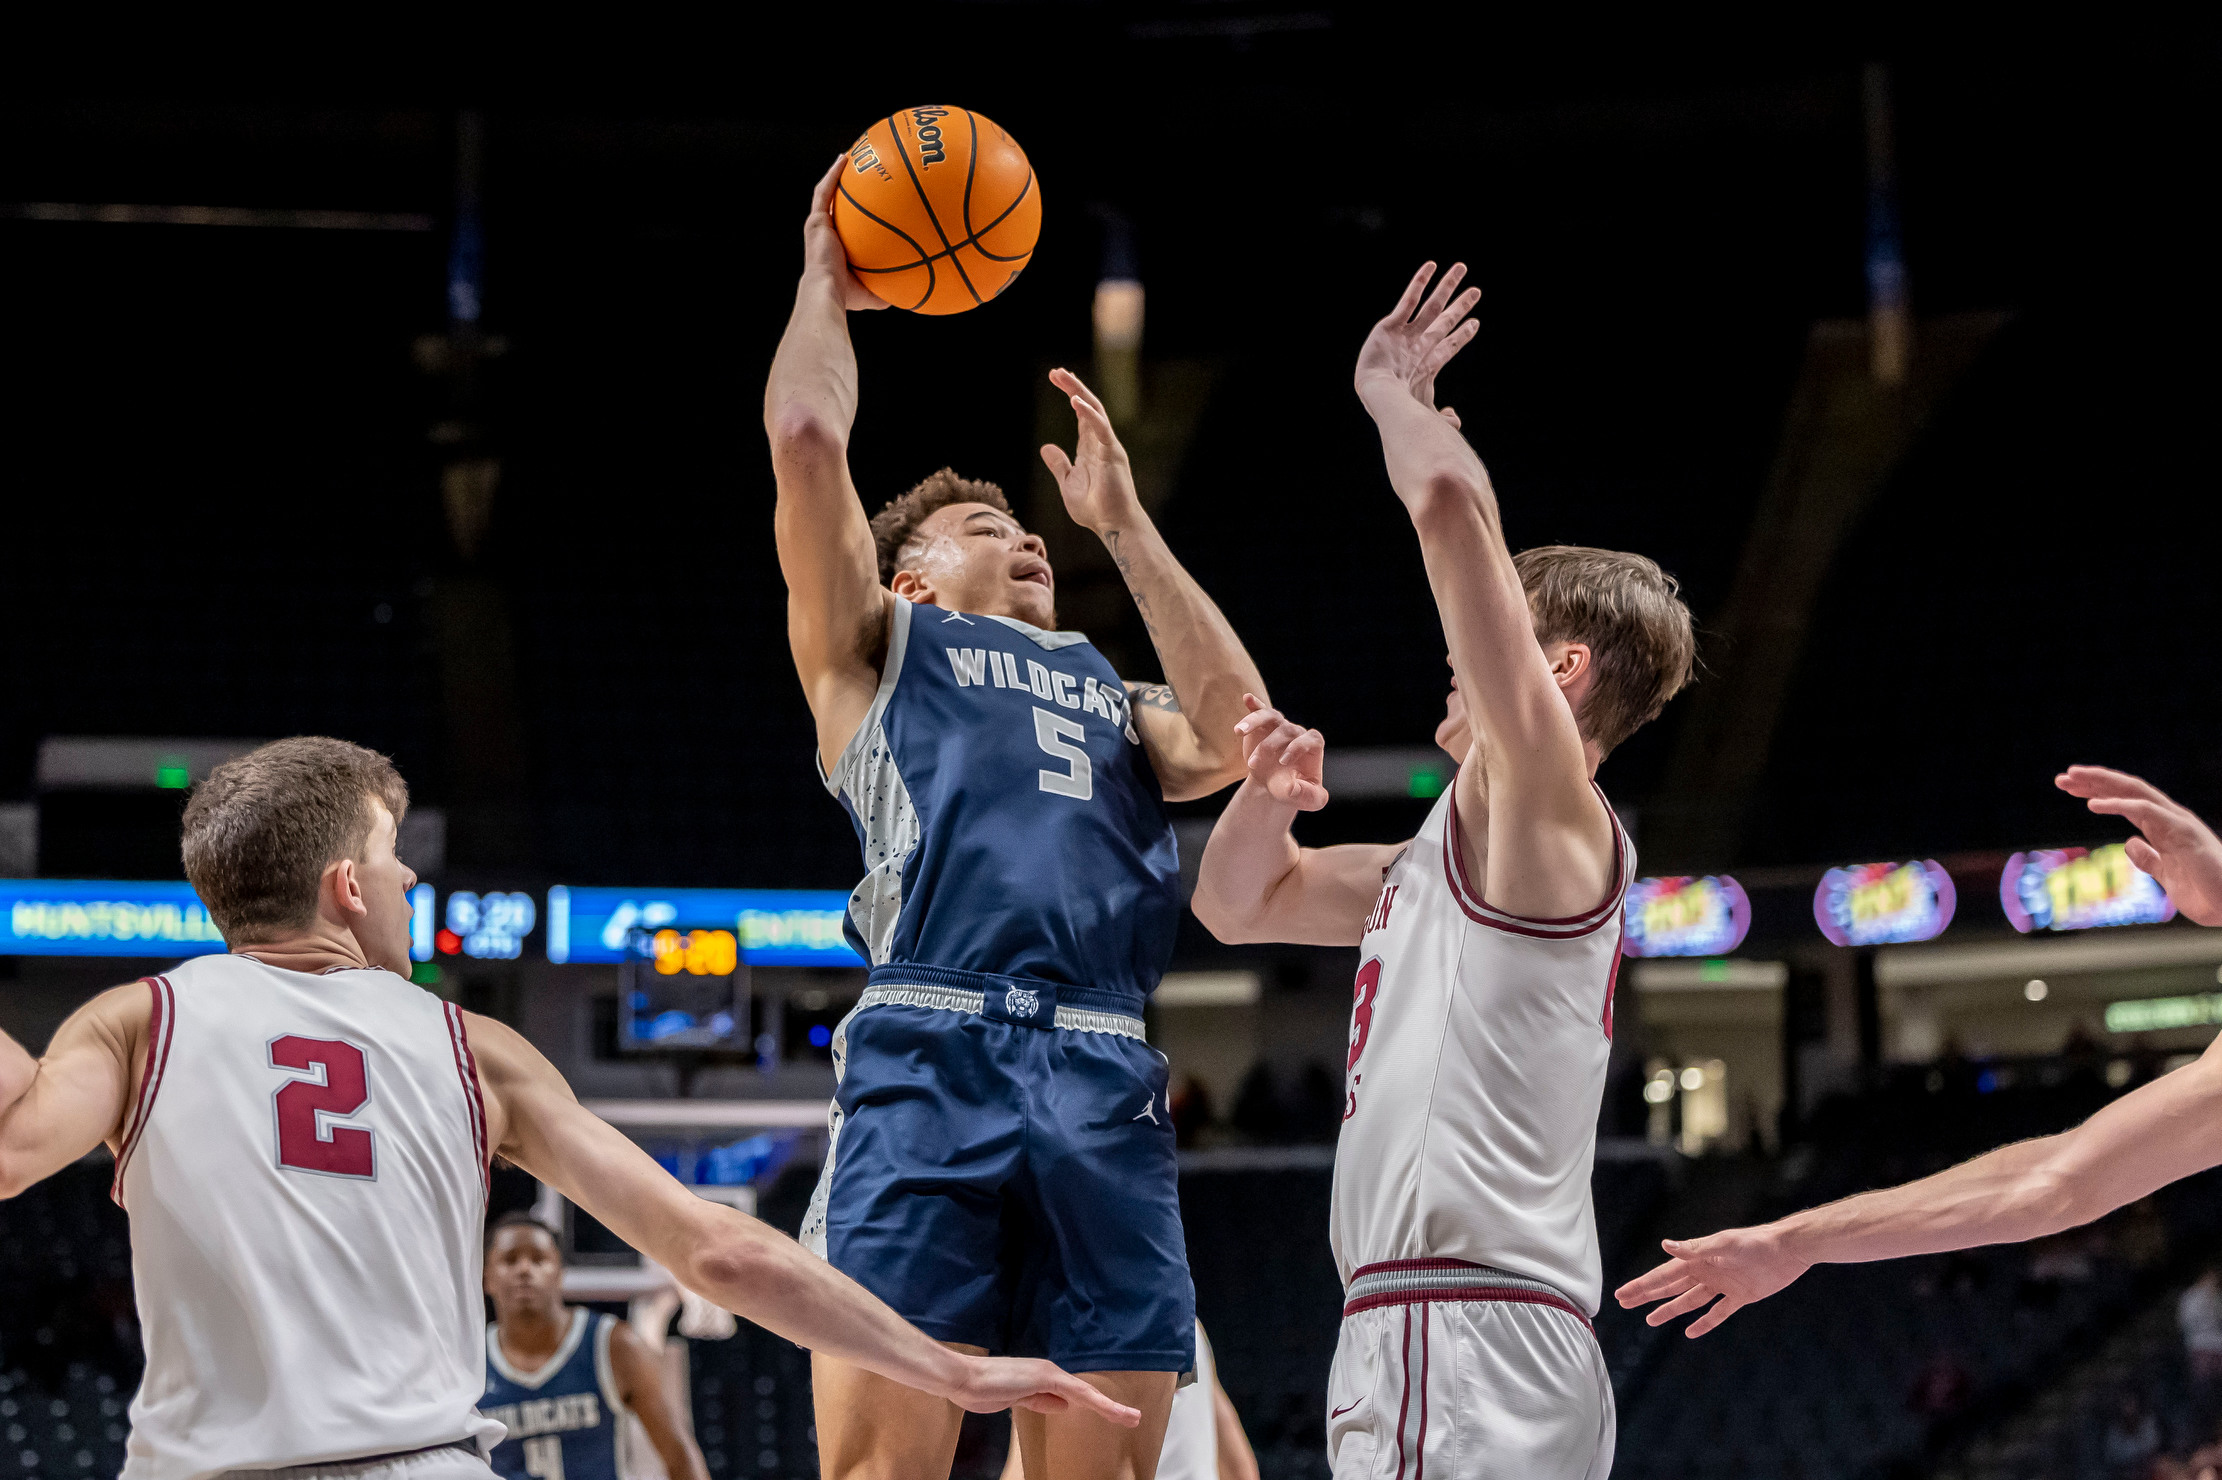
[(2177, 848), (1725, 1271), (822, 252), (1418, 338), (1284, 758), (992, 1384), (1097, 481)]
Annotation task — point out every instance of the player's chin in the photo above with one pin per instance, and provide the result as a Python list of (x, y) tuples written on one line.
[(1035, 603)]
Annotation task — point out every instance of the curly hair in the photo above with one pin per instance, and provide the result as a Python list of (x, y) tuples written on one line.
[(895, 527)]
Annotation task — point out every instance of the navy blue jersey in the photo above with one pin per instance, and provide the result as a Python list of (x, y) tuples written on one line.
[(562, 1418), (1012, 825)]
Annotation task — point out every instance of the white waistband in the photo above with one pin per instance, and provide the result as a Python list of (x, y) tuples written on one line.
[(957, 999)]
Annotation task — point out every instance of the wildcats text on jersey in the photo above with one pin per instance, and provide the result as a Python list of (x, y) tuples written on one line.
[(982, 667), (562, 1415)]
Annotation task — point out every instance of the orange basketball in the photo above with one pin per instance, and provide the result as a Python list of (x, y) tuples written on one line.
[(938, 209)]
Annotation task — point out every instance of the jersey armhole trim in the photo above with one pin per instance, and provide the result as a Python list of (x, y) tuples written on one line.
[(605, 1370), (1567, 927), (474, 1098), (161, 1029), (898, 643)]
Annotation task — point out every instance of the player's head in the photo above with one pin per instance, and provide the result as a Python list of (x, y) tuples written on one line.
[(1615, 632), (300, 833), (524, 1265), (955, 543)]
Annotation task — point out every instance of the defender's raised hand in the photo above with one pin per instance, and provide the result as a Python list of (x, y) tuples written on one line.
[(1097, 481), (1283, 757), (1419, 337), (822, 252), (2177, 848), (1725, 1271)]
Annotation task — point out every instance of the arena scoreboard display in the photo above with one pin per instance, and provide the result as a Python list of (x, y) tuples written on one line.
[(2080, 889), (699, 932), (1875, 904), (104, 917), (1684, 916)]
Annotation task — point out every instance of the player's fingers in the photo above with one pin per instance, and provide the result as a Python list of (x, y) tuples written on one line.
[(1258, 722), (1432, 309), (821, 197), (1410, 299), (2143, 815), (1448, 348), (1450, 415), (1666, 1280), (2091, 781), (1457, 309), (1252, 703), (1080, 1393), (1072, 384), (2143, 854), (1722, 1309), (1311, 796), (1681, 1305), (1059, 464)]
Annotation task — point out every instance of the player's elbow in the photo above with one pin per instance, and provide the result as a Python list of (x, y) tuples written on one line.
[(2050, 1197), (1448, 497), (803, 436), (729, 1265), (14, 1182), (1230, 922)]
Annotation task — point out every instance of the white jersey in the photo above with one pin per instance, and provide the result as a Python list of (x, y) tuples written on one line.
[(305, 1166), (1478, 1043)]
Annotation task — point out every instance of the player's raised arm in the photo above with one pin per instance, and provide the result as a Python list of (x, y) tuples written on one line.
[(2174, 845), (836, 607), (1187, 722), (56, 1108), (728, 1257), (640, 1384), (1532, 777), (1255, 884), (2148, 1138)]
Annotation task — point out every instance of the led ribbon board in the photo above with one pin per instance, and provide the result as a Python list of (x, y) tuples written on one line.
[(104, 917), (1874, 904), (770, 927), (2080, 889), (1685, 916)]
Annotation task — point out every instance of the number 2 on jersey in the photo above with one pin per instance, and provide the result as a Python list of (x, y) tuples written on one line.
[(339, 1086), (1363, 994)]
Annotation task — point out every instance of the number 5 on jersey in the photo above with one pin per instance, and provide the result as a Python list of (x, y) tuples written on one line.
[(337, 1086)]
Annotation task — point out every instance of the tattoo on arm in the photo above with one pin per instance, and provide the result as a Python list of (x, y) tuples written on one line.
[(1141, 601), (1155, 696)]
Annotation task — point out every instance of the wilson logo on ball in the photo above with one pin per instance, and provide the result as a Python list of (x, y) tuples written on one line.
[(929, 133)]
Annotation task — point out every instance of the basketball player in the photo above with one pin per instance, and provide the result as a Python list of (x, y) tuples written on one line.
[(2152, 1136), (1483, 1014), (1203, 1436), (563, 1380), (1002, 1169), (301, 1139)]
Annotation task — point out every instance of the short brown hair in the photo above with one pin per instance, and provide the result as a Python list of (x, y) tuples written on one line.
[(1630, 613), (260, 830), (893, 526)]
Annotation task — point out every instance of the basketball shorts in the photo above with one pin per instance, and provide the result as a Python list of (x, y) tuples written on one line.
[(441, 1462), (1450, 1371), (1002, 1171)]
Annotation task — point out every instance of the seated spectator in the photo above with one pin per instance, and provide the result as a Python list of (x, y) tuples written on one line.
[(2132, 1440)]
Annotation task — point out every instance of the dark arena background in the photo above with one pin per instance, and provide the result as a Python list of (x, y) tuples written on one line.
[(406, 387)]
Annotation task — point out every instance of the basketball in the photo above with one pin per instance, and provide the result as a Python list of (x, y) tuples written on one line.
[(938, 209)]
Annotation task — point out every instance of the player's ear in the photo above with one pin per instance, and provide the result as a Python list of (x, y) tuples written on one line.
[(912, 586), (1571, 663), (343, 890)]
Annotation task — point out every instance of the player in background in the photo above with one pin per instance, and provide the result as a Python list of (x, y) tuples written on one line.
[(302, 1140), (562, 1380), (1490, 942), (1002, 1168), (1203, 1437), (2152, 1136)]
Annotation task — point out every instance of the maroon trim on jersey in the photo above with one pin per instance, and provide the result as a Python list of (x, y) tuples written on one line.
[(1419, 1466), (466, 1067), (1404, 1361), (1450, 1295), (161, 1028), (1612, 977), (1481, 912)]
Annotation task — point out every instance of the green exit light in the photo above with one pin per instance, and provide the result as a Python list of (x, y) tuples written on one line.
[(2154, 1014), (425, 974), (171, 775), (1712, 971), (1426, 784)]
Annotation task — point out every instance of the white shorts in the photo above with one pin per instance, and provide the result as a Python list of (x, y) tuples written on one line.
[(444, 1463), (1465, 1388)]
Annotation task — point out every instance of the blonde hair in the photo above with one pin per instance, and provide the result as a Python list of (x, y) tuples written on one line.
[(1642, 643)]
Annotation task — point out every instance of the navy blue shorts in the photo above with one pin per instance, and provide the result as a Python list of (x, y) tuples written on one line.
[(1010, 1186)]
